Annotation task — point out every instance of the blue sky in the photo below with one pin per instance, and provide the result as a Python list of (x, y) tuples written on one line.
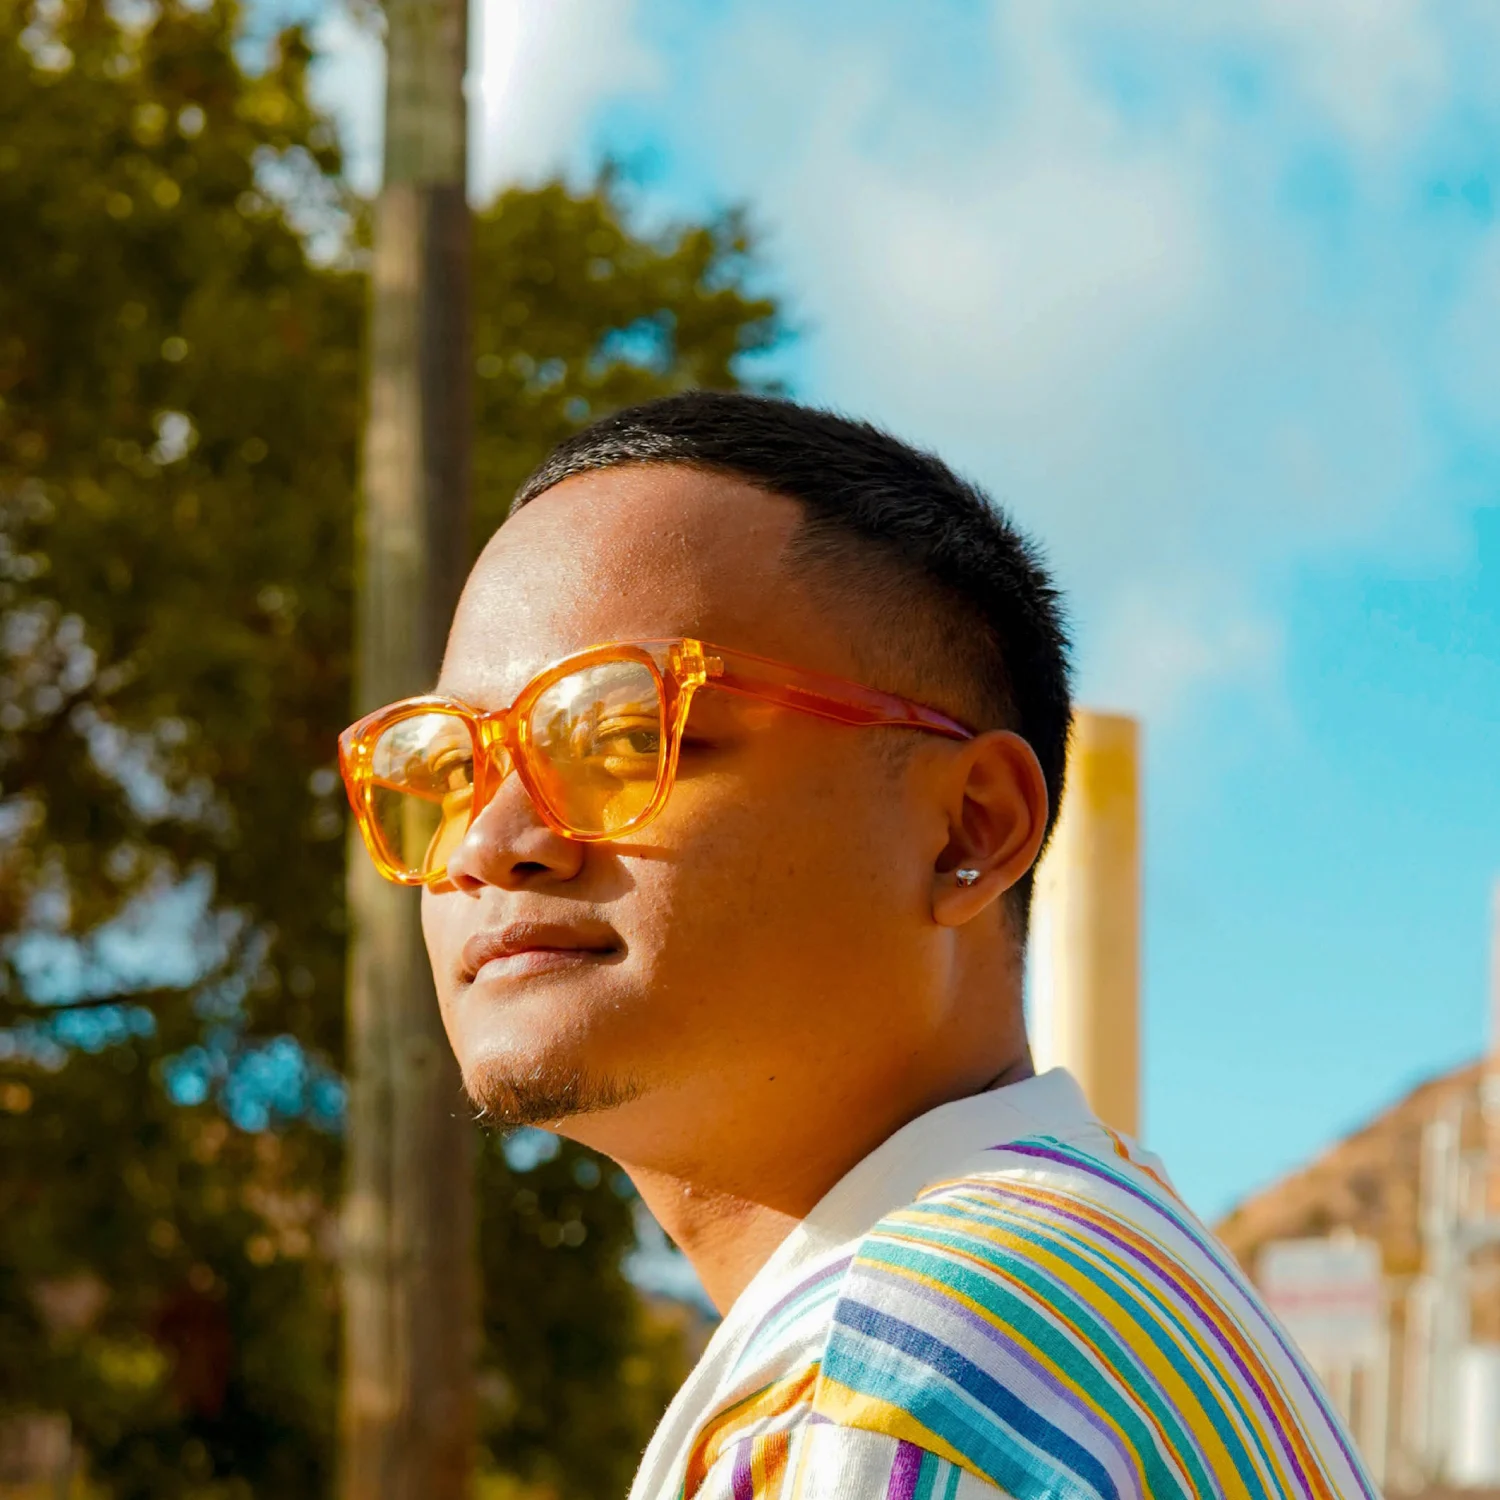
[(1209, 296)]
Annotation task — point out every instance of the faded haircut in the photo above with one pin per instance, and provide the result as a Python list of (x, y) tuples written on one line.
[(951, 585)]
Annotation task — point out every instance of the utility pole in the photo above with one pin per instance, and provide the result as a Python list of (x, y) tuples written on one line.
[(409, 1256)]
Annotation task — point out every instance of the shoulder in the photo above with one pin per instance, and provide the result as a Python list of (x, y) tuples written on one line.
[(1056, 1321)]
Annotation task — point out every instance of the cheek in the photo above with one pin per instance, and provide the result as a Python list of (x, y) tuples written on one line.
[(808, 863), (447, 921)]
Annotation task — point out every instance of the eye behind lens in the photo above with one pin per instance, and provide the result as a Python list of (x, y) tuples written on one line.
[(595, 745), (422, 789)]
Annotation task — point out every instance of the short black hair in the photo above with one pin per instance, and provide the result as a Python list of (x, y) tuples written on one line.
[(893, 526)]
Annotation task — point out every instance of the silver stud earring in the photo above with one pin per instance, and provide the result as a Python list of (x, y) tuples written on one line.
[(966, 877)]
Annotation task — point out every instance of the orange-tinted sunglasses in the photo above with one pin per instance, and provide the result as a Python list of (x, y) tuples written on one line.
[(594, 740)]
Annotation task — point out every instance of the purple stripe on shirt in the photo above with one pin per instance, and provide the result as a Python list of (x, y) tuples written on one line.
[(905, 1472), (1004, 1339), (1058, 1152), (1210, 1248), (742, 1481), (1185, 1299)]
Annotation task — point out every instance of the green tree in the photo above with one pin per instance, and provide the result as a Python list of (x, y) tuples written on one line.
[(181, 314), (167, 1283), (577, 315)]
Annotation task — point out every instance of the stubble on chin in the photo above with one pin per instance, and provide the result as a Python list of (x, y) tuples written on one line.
[(545, 1095)]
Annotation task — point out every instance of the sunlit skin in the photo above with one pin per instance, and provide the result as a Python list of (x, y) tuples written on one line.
[(781, 970)]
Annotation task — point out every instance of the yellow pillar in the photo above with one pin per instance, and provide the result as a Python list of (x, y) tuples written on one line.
[(1490, 1087), (1085, 934)]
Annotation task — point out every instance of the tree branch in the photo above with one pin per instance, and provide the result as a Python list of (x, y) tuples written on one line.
[(13, 1012)]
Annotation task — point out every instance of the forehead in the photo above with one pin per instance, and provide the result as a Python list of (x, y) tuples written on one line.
[(635, 552)]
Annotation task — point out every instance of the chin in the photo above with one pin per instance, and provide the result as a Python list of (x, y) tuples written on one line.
[(507, 1091)]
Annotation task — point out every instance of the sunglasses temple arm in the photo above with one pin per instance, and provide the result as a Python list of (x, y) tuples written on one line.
[(830, 698)]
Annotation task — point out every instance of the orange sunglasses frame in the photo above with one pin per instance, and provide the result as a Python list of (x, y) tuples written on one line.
[(679, 667)]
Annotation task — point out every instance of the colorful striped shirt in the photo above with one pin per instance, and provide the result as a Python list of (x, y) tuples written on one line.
[(1005, 1299)]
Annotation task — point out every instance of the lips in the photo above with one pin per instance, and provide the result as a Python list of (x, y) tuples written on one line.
[(524, 947)]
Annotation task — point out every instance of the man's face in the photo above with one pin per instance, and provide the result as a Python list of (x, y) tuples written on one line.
[(767, 941)]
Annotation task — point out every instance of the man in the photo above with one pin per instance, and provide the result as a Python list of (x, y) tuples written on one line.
[(751, 727)]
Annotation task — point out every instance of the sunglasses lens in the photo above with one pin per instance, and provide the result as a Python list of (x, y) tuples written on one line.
[(599, 745), (422, 790)]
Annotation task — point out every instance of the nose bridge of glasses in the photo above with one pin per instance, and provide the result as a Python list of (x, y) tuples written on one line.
[(506, 748), (494, 729), (496, 736)]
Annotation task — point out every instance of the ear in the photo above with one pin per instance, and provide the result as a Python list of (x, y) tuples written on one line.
[(996, 819)]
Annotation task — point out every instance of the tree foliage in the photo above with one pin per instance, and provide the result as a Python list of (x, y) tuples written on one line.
[(181, 318)]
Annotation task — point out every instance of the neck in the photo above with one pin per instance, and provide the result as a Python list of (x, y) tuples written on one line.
[(729, 1229), (726, 1237)]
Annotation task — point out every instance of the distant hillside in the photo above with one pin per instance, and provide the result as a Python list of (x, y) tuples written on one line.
[(1370, 1183), (1367, 1182)]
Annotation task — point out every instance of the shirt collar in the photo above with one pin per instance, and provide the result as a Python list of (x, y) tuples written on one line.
[(923, 1150), (943, 1143)]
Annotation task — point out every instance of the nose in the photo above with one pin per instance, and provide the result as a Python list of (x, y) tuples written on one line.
[(509, 846)]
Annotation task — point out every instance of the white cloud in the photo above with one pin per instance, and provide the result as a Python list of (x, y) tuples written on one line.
[(544, 67), (1380, 71), (1133, 332), (538, 70), (1175, 636), (1468, 341), (1192, 333)]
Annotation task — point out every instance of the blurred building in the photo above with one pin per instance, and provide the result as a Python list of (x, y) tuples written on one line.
[(1410, 1348)]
